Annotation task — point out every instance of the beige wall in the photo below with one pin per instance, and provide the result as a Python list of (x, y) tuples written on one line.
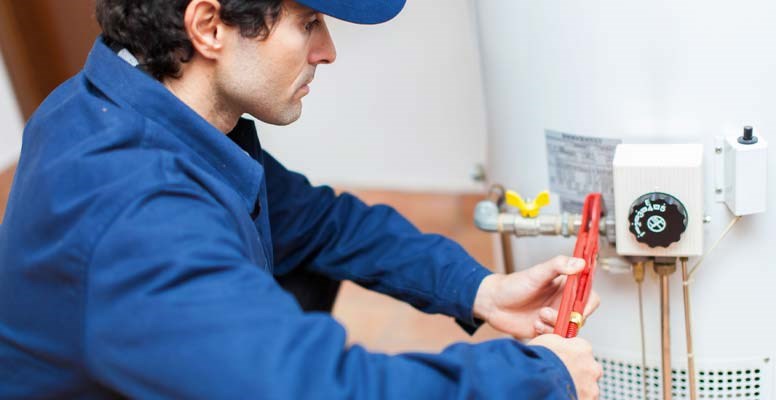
[(10, 122)]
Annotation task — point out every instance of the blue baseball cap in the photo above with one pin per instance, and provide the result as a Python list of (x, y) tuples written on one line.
[(357, 11)]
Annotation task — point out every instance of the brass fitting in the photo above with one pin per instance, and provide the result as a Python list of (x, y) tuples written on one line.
[(576, 318), (638, 271), (664, 268)]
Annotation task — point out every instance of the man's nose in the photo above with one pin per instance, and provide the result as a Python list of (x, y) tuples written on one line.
[(323, 50)]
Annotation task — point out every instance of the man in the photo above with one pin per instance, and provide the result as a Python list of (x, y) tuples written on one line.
[(148, 233)]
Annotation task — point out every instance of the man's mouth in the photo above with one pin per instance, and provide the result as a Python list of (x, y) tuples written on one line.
[(305, 88)]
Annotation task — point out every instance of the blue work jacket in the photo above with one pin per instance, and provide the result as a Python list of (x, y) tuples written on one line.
[(139, 256)]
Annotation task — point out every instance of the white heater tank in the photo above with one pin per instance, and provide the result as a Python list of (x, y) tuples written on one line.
[(647, 72)]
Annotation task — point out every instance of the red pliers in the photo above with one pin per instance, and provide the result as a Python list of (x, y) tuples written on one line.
[(578, 286)]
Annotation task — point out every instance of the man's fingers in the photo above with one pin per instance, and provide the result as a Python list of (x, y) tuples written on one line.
[(548, 315), (560, 265), (541, 328), (592, 303)]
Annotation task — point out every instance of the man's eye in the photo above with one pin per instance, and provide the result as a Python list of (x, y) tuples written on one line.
[(311, 25)]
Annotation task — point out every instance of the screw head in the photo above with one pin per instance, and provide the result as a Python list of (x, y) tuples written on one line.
[(718, 150), (718, 191), (478, 173)]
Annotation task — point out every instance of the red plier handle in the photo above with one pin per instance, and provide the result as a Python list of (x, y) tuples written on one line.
[(577, 289)]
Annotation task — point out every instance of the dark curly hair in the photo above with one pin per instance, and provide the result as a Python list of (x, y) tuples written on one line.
[(153, 31)]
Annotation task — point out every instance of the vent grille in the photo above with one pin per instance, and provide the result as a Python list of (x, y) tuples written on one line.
[(623, 380)]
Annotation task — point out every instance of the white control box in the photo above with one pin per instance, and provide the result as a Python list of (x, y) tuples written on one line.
[(658, 198), (745, 176)]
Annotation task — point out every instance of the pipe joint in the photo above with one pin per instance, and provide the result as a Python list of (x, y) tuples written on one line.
[(489, 218)]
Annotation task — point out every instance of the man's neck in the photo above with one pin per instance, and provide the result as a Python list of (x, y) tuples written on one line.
[(201, 96)]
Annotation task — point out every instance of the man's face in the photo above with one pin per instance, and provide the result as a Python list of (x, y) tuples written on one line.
[(268, 78)]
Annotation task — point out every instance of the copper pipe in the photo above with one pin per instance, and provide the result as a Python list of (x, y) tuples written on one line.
[(664, 271), (638, 275), (688, 329), (497, 194), (665, 339), (644, 370), (506, 251)]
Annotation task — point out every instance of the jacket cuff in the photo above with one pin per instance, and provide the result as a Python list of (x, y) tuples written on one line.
[(465, 308)]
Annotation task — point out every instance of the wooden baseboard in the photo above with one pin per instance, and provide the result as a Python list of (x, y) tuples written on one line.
[(448, 214)]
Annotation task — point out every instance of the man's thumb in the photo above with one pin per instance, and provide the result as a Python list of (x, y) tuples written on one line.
[(568, 265), (573, 265), (560, 265)]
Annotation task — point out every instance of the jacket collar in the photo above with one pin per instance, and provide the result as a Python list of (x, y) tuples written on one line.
[(130, 87)]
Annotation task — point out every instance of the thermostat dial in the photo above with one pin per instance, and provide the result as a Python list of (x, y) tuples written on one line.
[(657, 219)]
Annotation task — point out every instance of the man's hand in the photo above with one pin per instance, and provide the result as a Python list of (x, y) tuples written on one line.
[(525, 304), (577, 356)]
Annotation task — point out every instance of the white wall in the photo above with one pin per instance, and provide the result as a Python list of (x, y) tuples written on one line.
[(402, 107), (10, 121)]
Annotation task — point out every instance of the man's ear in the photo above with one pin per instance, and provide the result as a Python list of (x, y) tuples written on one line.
[(203, 24)]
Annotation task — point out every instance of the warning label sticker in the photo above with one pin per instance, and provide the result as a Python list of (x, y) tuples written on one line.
[(579, 165)]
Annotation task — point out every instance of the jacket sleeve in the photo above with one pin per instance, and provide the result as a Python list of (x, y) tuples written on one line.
[(175, 309), (343, 238)]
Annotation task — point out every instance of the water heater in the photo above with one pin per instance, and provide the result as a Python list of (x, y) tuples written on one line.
[(646, 102)]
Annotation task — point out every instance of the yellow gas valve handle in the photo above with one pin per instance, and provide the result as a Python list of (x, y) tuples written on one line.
[(528, 209)]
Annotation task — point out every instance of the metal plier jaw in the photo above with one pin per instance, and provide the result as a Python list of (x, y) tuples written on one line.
[(578, 287)]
